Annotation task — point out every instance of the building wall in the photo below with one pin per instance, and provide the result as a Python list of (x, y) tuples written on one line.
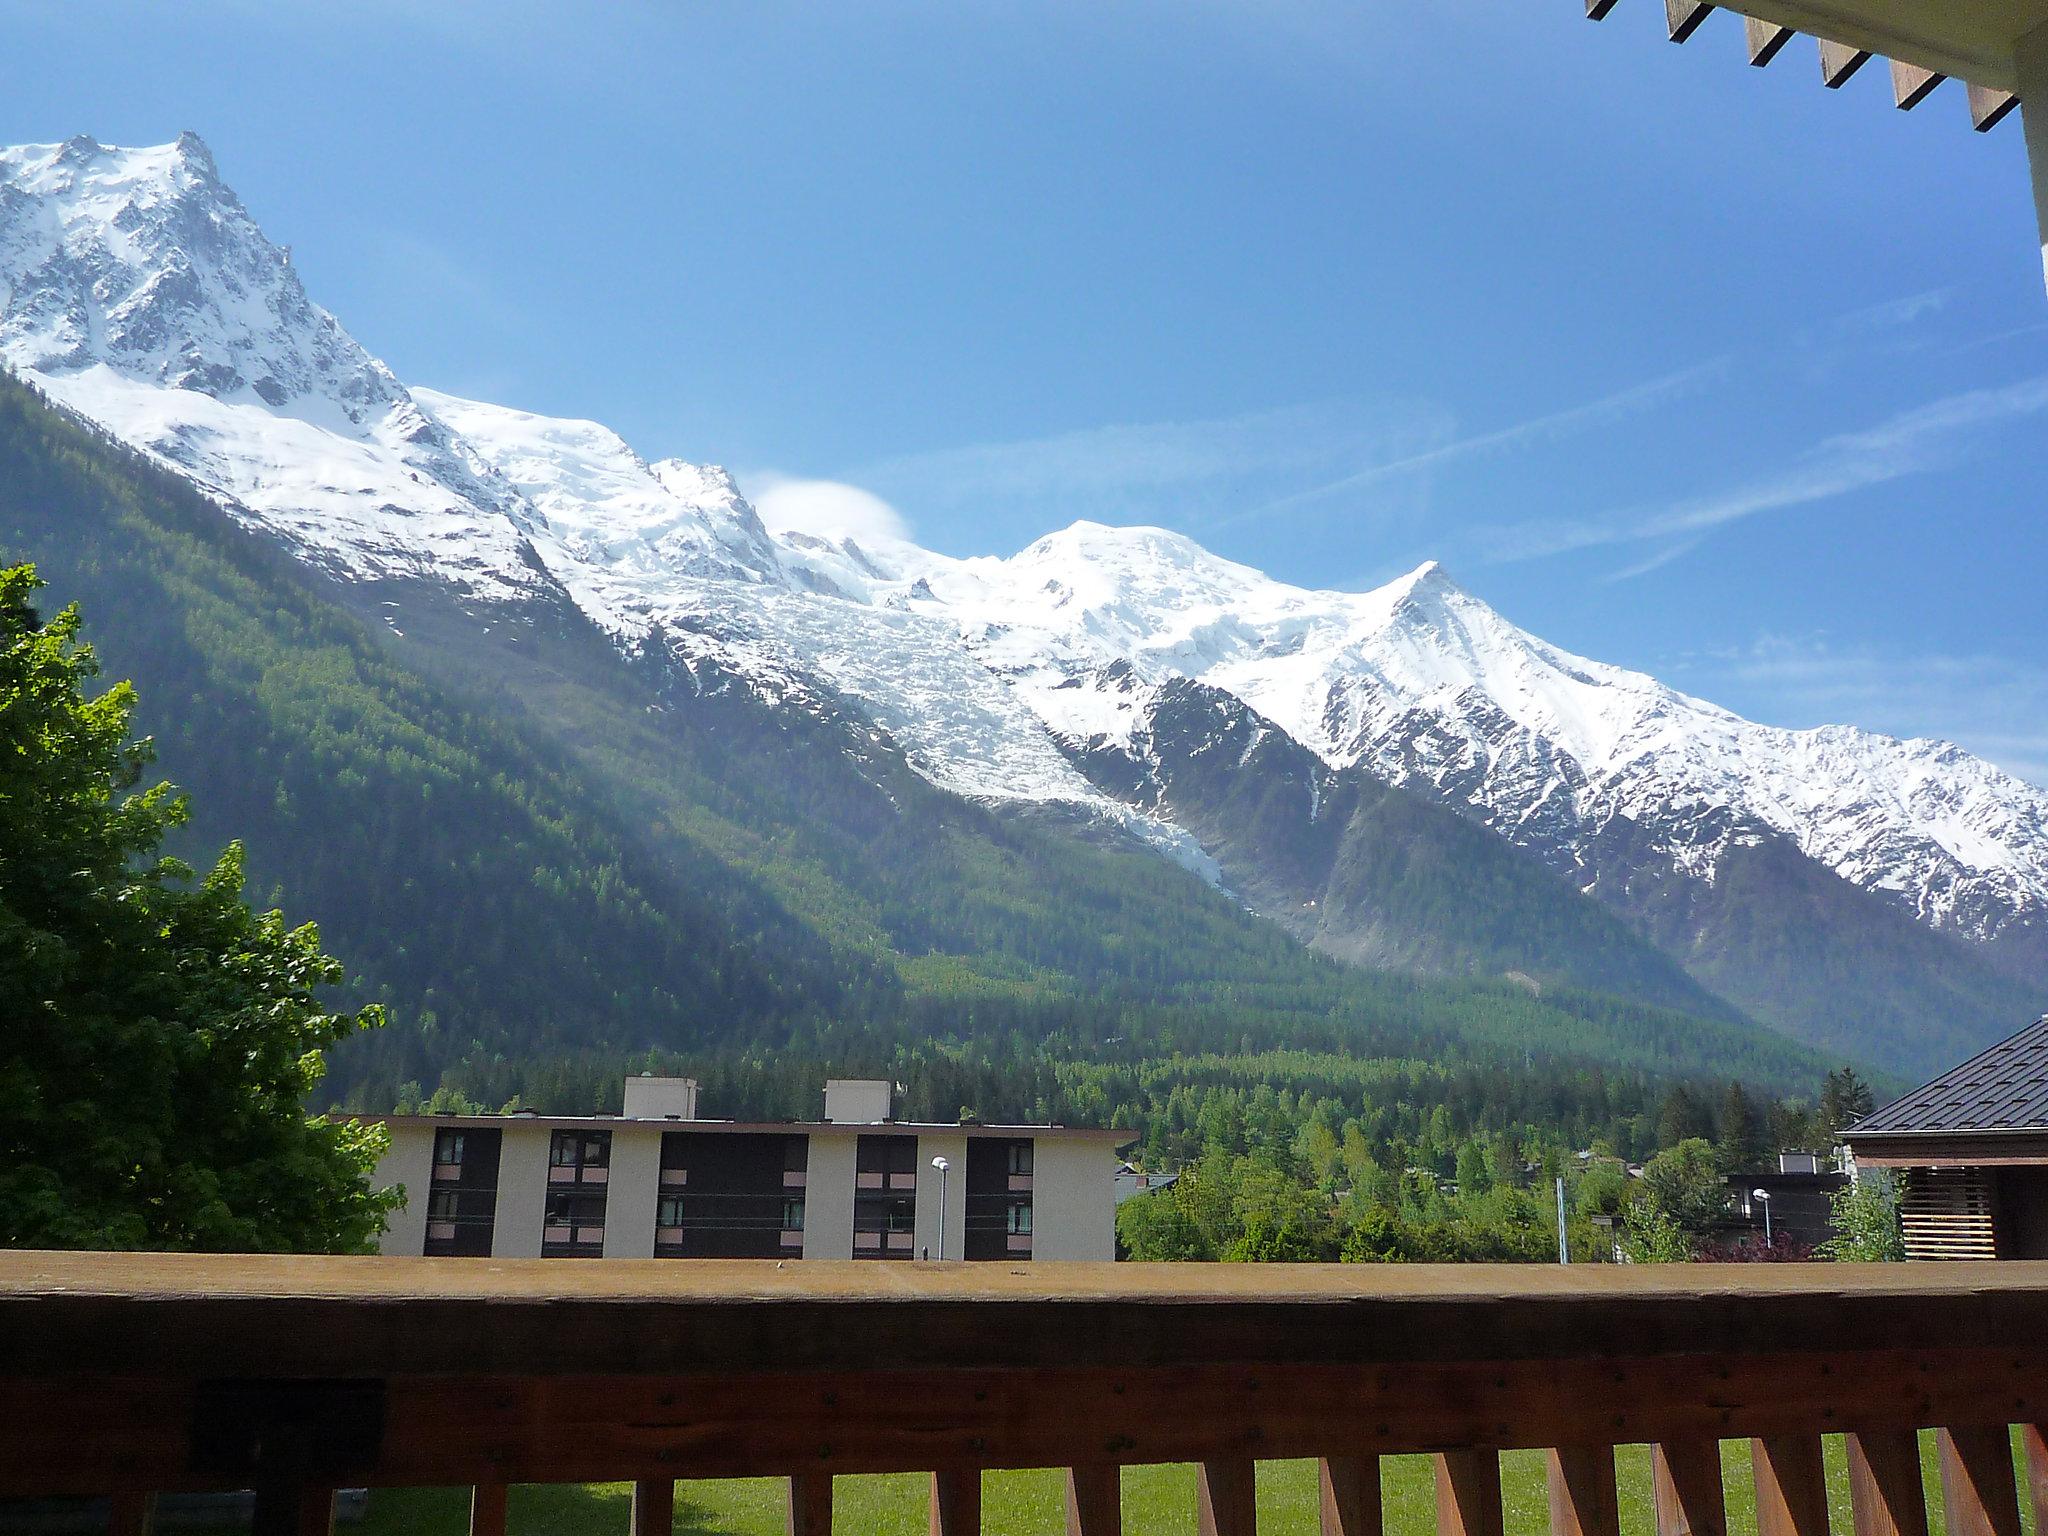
[(828, 1195), (522, 1191), (408, 1161), (925, 1236), (1073, 1199), (635, 1184)]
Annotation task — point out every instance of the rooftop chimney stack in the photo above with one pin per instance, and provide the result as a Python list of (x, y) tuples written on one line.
[(661, 1098), (858, 1100)]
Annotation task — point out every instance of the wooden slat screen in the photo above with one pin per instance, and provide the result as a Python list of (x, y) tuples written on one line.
[(1950, 1213)]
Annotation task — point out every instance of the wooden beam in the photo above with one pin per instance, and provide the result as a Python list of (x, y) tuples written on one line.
[(1582, 1495), (810, 1504), (1912, 85), (1226, 1497), (131, 1514), (1838, 61), (654, 1507), (1977, 1483), (1468, 1492), (1885, 1491), (1350, 1487), (1596, 10), (487, 1509), (1095, 1500), (1683, 17), (1766, 38), (1691, 1500), (1989, 108), (2035, 1440), (292, 1509), (1791, 1486), (956, 1503)]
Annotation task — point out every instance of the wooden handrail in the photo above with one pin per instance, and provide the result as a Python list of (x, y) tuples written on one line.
[(137, 1374)]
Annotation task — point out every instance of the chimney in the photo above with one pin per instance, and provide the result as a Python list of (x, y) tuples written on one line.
[(661, 1098), (858, 1100)]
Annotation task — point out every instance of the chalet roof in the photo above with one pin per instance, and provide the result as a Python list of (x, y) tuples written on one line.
[(2004, 1088)]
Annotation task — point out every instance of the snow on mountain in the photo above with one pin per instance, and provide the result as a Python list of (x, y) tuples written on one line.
[(135, 289)]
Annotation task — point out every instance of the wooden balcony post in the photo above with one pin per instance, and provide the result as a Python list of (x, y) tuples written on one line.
[(1095, 1500), (1885, 1490), (292, 1509), (1977, 1482), (1582, 1496), (1791, 1486), (1226, 1498), (2036, 1443), (1468, 1492), (131, 1514), (487, 1509), (956, 1503), (654, 1508), (810, 1504), (1351, 1496), (1691, 1500)]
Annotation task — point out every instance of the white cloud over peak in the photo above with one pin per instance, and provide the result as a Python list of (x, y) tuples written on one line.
[(828, 508)]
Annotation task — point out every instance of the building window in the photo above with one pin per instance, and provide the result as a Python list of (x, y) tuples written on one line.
[(1020, 1157), (669, 1212), (448, 1147), (1020, 1218), (441, 1205), (581, 1149), (793, 1214)]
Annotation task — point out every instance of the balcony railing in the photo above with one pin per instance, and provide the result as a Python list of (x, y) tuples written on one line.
[(131, 1374)]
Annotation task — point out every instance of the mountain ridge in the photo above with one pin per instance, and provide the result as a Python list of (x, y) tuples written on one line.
[(139, 293)]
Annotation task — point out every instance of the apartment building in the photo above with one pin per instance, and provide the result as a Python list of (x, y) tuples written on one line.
[(656, 1181)]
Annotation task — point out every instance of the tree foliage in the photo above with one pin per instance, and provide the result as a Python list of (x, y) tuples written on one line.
[(161, 1037)]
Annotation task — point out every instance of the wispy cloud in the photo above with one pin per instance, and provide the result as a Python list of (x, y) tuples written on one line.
[(1926, 438), (1549, 427), (1177, 469), (1992, 705)]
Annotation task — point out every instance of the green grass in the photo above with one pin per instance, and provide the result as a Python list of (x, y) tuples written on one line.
[(1158, 1501)]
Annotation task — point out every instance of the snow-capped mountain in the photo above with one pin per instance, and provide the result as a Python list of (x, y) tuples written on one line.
[(137, 291)]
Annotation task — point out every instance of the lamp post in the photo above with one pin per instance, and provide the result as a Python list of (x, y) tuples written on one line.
[(942, 1165), (1763, 1196)]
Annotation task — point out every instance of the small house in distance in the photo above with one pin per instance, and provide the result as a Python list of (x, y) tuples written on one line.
[(1971, 1149), (659, 1182)]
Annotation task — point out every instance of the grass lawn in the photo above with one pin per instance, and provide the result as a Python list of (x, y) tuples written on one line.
[(1158, 1501)]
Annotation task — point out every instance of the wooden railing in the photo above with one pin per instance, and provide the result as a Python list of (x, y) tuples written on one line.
[(127, 1375)]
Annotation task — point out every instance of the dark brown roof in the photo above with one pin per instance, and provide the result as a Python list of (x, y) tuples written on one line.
[(2004, 1088)]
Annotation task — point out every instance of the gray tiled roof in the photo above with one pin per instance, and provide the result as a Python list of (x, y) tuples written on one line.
[(2004, 1088)]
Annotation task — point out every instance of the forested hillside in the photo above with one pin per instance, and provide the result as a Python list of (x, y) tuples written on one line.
[(530, 869)]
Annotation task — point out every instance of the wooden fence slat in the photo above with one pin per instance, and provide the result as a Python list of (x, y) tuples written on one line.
[(1691, 1500), (131, 1514), (1582, 1493), (1885, 1490), (1978, 1487), (1095, 1500), (1468, 1492), (956, 1503), (1350, 1489), (1226, 1497), (1791, 1486), (810, 1504), (487, 1509), (654, 1507)]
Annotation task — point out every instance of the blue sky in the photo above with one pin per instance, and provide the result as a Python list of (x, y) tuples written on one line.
[(1681, 364)]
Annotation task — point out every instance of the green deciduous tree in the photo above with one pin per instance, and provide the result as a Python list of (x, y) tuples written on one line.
[(160, 1037), (1865, 1216)]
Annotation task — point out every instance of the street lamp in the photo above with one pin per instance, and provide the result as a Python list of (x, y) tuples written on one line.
[(1764, 1197), (942, 1165)]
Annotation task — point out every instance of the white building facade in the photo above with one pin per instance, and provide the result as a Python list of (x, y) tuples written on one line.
[(658, 1182)]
